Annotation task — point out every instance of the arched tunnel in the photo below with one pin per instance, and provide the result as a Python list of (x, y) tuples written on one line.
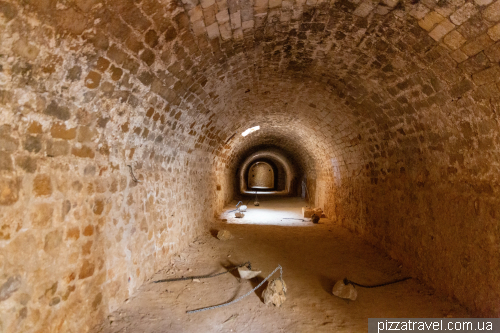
[(121, 145)]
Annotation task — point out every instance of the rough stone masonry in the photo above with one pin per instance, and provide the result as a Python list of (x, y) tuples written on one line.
[(389, 107)]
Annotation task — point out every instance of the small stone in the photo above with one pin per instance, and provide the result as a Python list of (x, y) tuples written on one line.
[(275, 293), (239, 215), (196, 280), (247, 274), (224, 235), (315, 218), (345, 291)]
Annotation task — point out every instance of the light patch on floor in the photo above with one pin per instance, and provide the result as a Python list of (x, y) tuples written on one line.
[(282, 211)]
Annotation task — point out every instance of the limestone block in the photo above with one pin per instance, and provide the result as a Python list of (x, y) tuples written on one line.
[(477, 45), (494, 32), (364, 9), (345, 291), (239, 215), (199, 27), (487, 76), (236, 20), (492, 13), (247, 24), (275, 293), (441, 30), (463, 13), (224, 235), (308, 212), (222, 16), (225, 31), (430, 20), (454, 40), (195, 14), (213, 30), (419, 11)]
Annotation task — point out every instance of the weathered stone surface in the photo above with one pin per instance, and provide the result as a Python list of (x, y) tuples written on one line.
[(83, 151), (10, 287), (86, 270), (57, 148), (60, 112), (59, 131), (42, 185), (275, 293), (52, 241), (307, 212), (27, 163), (41, 215), (26, 50), (9, 191), (92, 80), (6, 161), (33, 143), (345, 291)]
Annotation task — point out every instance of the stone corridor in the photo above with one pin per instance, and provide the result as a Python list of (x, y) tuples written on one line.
[(121, 141)]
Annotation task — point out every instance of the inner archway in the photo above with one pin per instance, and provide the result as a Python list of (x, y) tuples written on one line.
[(261, 176)]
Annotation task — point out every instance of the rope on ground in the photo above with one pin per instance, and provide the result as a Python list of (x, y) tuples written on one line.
[(242, 297), (248, 264), (346, 281)]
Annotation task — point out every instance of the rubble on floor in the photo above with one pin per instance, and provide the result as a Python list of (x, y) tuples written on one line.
[(247, 274), (275, 292), (239, 215), (345, 291), (224, 235)]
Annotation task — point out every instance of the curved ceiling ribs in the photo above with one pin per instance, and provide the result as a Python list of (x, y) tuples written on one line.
[(349, 74)]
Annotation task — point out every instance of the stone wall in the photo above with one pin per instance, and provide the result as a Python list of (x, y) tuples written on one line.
[(78, 235)]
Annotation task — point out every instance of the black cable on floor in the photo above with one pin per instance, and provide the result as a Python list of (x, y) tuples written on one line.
[(346, 282)]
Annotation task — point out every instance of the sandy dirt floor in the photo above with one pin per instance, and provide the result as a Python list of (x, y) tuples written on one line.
[(313, 257)]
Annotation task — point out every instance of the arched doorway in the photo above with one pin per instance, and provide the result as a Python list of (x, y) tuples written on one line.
[(261, 176)]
